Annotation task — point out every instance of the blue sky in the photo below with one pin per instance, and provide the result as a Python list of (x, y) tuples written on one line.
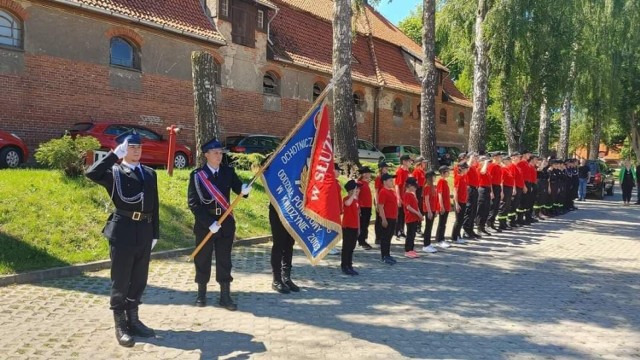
[(398, 9)]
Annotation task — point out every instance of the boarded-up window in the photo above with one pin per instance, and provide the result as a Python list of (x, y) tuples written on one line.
[(443, 116), (243, 23), (397, 108), (224, 9), (317, 90)]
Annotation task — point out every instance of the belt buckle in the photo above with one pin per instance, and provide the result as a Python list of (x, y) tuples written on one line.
[(136, 216), (218, 211)]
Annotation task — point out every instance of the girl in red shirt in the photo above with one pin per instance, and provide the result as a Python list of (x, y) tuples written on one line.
[(388, 210), (412, 216), (429, 205), (350, 226), (460, 201), (444, 206)]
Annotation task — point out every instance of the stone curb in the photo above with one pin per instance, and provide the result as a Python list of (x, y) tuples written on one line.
[(75, 270)]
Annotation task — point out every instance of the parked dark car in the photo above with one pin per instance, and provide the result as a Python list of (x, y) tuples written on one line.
[(447, 154), (393, 153), (602, 179), (249, 144), (13, 150), (156, 148)]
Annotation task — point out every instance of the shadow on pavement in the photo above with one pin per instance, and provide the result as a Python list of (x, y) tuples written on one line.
[(210, 344)]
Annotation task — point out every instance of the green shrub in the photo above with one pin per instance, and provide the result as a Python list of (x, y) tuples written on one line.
[(66, 154), (250, 162)]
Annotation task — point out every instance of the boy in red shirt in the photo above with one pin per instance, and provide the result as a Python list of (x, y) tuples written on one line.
[(444, 205), (388, 210), (460, 201), (429, 205), (365, 200), (412, 216), (350, 226), (402, 174), (419, 174), (383, 168), (336, 169)]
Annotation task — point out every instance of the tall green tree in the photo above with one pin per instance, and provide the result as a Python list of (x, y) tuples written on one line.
[(429, 83)]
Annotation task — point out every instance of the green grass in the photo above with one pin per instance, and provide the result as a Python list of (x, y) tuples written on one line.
[(47, 220)]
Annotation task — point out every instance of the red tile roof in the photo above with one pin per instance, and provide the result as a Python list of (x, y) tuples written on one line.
[(182, 16), (394, 69)]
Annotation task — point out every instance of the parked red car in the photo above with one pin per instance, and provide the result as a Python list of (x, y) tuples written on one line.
[(155, 147), (13, 151)]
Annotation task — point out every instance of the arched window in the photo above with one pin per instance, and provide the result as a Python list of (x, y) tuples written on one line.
[(460, 120), (358, 101), (271, 84), (317, 90), (124, 53), (10, 30), (443, 116), (397, 108)]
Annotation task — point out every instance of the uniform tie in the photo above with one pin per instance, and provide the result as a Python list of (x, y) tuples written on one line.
[(139, 173)]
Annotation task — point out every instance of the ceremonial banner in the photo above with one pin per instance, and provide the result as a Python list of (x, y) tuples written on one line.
[(287, 181)]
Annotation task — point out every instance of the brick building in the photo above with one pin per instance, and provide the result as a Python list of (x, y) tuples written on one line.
[(67, 61)]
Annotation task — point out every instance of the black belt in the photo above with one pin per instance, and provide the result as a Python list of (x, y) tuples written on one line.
[(134, 215)]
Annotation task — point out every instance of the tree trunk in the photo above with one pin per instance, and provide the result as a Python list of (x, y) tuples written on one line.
[(522, 121), (204, 94), (596, 131), (543, 135), (478, 125), (565, 118), (635, 135), (429, 85), (344, 119), (510, 130)]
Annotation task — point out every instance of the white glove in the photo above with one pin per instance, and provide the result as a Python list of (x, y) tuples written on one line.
[(153, 243), (246, 189), (214, 227), (121, 150)]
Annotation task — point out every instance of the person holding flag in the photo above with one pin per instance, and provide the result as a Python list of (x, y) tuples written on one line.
[(281, 255), (208, 198), (365, 200)]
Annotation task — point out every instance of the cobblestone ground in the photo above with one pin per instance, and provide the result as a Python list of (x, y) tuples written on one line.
[(567, 288)]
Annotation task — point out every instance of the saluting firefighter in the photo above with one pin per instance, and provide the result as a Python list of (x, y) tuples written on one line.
[(132, 230), (208, 196)]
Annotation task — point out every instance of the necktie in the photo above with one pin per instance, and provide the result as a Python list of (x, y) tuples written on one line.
[(139, 174), (215, 175)]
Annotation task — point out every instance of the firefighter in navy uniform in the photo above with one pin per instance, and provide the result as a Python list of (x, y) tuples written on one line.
[(554, 186), (208, 196), (132, 230), (541, 204)]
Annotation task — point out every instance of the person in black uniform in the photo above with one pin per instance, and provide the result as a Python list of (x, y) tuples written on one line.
[(554, 187), (208, 196), (506, 195), (542, 190), (281, 255), (132, 230)]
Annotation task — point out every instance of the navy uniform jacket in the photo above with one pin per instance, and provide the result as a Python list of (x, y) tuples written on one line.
[(207, 211), (122, 230)]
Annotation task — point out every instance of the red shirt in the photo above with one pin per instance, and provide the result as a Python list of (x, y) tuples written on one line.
[(507, 177), (443, 189), (496, 174), (401, 178), (387, 198), (410, 199), (460, 185), (485, 179), (420, 176), (517, 175), (364, 198), (377, 183), (523, 166), (351, 215), (534, 174), (473, 176), (429, 195), (337, 185)]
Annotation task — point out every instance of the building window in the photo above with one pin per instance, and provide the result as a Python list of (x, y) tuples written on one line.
[(124, 54), (317, 90), (243, 24), (358, 101), (418, 110), (271, 84), (443, 116), (217, 72), (397, 108), (460, 120), (224, 8), (10, 30), (260, 19)]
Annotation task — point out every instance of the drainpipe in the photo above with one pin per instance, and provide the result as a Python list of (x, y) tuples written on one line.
[(269, 26)]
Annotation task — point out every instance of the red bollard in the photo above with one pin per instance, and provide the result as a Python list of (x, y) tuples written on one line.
[(173, 131)]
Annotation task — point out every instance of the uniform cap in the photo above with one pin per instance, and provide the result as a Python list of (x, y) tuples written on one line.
[(462, 156), (351, 184), (405, 157), (442, 169), (463, 166), (411, 181), (365, 170), (431, 173), (386, 177), (515, 153), (212, 144), (382, 165), (131, 136), (419, 159)]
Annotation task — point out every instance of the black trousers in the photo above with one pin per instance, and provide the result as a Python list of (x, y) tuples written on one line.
[(627, 188), (129, 273), (282, 248), (365, 218), (457, 226), (412, 229), (553, 197), (442, 225), (638, 201), (386, 236), (515, 203), (222, 243), (484, 205), (471, 210), (419, 197), (349, 240), (505, 204), (495, 204), (400, 221), (377, 227), (428, 227)]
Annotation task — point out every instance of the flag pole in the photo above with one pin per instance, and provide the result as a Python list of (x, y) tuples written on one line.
[(264, 167)]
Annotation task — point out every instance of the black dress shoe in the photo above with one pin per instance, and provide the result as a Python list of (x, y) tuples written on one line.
[(225, 297), (353, 272), (201, 299), (484, 231), (476, 236), (123, 335), (136, 326), (366, 246), (280, 287)]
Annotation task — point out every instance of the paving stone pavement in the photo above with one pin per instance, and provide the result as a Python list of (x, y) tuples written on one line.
[(567, 288)]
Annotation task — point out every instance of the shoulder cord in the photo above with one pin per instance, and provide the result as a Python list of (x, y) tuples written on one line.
[(117, 186), (199, 190)]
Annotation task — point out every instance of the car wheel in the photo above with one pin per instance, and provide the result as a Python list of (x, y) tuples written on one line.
[(10, 157), (610, 191), (180, 161), (600, 193)]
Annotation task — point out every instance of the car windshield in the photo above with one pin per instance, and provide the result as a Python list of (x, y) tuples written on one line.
[(412, 150), (233, 140)]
